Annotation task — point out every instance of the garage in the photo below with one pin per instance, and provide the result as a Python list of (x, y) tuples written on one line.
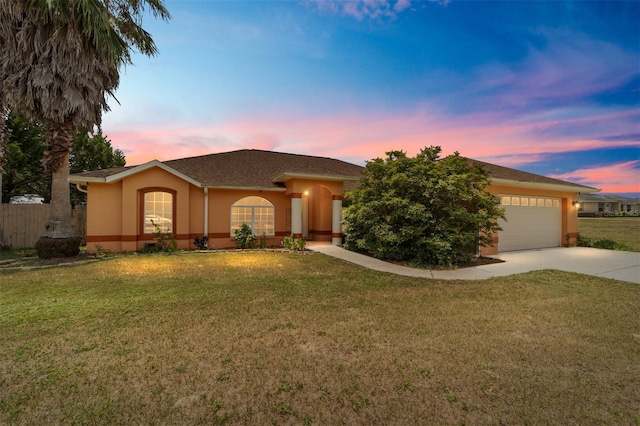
[(532, 223)]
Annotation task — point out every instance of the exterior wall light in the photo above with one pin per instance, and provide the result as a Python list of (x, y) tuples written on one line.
[(576, 204)]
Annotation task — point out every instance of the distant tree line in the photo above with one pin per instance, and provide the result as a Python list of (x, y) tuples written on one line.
[(24, 172)]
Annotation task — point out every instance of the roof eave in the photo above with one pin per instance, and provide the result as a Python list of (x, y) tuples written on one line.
[(547, 186), (285, 176), (246, 188), (85, 179), (116, 177)]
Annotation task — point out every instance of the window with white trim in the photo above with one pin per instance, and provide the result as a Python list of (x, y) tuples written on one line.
[(158, 210), (257, 212)]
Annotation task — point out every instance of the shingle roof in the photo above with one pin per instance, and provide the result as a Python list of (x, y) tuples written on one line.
[(248, 168), (252, 168), (102, 173), (500, 172)]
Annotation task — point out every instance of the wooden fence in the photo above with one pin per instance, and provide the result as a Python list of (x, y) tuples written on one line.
[(23, 224)]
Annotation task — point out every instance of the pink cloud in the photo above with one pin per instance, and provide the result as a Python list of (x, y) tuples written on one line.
[(618, 177), (358, 137)]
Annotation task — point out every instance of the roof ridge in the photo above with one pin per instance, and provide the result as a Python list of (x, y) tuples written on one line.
[(289, 154)]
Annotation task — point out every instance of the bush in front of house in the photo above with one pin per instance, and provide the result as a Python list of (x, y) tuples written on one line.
[(50, 248), (422, 209), (290, 242), (201, 242), (244, 236)]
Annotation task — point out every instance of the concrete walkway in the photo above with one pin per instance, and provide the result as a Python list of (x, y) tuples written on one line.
[(619, 265)]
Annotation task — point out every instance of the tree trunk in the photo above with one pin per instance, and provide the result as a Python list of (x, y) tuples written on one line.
[(3, 245), (59, 240), (4, 135), (57, 160), (59, 224)]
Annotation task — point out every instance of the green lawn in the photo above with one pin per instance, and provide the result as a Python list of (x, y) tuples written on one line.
[(272, 338), (625, 230)]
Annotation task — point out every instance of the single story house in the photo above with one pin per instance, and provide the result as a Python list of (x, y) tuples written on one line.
[(608, 204), (279, 194)]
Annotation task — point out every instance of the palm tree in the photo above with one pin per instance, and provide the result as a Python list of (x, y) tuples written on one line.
[(60, 59), (4, 135)]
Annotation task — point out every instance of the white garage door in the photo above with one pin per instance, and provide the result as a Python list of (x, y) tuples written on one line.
[(532, 222)]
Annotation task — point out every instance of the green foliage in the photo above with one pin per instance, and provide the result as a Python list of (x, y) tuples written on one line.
[(605, 244), (201, 242), (92, 151), (165, 241), (245, 238), (263, 241), (422, 209), (601, 243), (23, 171), (292, 243), (584, 241), (50, 248), (24, 150)]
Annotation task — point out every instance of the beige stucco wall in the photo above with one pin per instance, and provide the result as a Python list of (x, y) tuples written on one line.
[(320, 212), (299, 186), (220, 202), (104, 218), (114, 218), (113, 211)]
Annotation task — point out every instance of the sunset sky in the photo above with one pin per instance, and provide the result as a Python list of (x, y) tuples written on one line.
[(546, 87)]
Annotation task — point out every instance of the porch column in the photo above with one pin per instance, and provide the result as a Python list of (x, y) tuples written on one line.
[(336, 219), (296, 215)]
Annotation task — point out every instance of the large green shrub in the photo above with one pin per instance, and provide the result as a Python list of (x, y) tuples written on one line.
[(422, 209)]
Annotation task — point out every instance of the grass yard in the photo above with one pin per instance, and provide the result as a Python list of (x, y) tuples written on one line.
[(274, 338), (625, 231)]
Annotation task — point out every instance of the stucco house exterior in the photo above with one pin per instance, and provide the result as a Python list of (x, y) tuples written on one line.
[(608, 204), (279, 194)]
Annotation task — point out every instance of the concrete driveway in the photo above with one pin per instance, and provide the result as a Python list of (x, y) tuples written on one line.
[(619, 265)]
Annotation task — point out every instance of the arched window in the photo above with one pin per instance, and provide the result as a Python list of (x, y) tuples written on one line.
[(158, 210), (256, 212)]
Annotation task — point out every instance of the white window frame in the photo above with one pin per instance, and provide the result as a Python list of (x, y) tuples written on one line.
[(234, 224), (163, 218)]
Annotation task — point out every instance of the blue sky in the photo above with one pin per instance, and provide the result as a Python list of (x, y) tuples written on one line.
[(547, 87)]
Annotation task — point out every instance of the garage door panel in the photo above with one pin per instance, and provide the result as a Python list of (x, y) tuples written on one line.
[(531, 227)]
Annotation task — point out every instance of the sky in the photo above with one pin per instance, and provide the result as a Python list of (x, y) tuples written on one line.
[(551, 88)]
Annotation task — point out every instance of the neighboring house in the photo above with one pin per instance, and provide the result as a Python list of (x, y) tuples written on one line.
[(608, 204), (280, 194)]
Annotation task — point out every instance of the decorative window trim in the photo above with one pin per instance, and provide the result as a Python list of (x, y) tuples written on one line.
[(141, 207)]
